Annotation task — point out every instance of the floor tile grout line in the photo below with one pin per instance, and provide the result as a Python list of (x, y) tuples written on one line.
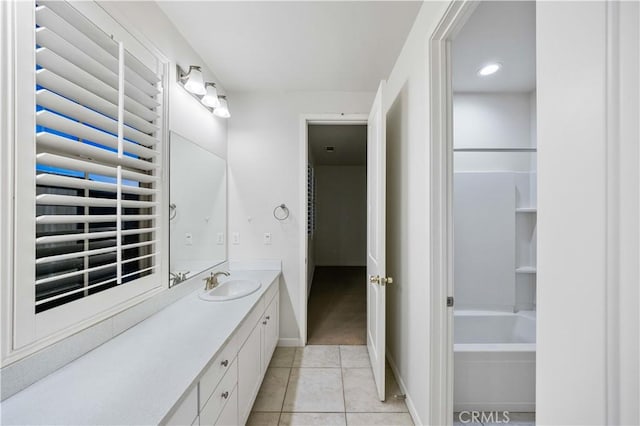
[(344, 398), (286, 388)]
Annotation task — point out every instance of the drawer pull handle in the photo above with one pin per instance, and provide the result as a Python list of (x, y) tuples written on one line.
[(264, 322), (225, 395), (268, 318), (225, 363)]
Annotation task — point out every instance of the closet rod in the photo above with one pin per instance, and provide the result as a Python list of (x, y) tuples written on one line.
[(494, 150)]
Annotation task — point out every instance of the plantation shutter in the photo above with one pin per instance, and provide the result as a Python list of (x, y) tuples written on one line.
[(98, 162)]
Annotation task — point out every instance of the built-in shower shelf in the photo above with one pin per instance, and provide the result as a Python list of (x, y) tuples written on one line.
[(526, 210), (526, 270)]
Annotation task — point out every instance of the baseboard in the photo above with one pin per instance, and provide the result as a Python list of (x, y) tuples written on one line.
[(289, 342), (403, 388)]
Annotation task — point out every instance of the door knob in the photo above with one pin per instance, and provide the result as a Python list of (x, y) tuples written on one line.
[(377, 279)]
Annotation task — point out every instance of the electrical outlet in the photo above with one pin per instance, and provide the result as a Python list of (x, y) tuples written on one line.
[(188, 239), (267, 238), (220, 238), (235, 238)]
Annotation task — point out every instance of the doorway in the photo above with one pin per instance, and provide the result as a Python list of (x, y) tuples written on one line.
[(484, 170), (375, 221), (336, 234)]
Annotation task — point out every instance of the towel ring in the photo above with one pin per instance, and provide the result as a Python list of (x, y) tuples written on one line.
[(285, 212)]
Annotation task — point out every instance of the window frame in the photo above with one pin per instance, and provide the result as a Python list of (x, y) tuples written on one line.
[(25, 332)]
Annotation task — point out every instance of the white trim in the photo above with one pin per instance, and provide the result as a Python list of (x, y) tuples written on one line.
[(440, 196), (305, 120), (7, 129), (405, 390)]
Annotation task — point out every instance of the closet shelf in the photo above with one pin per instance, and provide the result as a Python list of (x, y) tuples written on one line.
[(526, 270), (526, 210)]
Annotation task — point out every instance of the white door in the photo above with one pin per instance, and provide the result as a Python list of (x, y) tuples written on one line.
[(376, 205)]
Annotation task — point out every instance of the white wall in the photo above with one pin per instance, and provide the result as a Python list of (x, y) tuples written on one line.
[(186, 115), (493, 120), (484, 243), (341, 216), (407, 103), (264, 171), (588, 324)]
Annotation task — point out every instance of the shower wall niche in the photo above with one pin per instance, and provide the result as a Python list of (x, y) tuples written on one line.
[(495, 201)]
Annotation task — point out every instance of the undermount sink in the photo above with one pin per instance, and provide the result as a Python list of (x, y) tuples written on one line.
[(230, 289)]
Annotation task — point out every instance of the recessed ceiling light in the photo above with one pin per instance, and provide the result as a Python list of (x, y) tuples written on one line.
[(489, 69)]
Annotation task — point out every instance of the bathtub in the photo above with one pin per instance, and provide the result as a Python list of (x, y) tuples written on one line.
[(494, 361)]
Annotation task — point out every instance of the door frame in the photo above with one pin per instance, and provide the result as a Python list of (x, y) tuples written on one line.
[(341, 119), (441, 209)]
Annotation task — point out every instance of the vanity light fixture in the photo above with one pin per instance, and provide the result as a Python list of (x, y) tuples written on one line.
[(192, 80), (490, 68), (206, 93), (210, 98), (223, 109)]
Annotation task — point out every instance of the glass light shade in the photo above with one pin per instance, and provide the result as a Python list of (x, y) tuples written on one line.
[(223, 109), (210, 98), (195, 83)]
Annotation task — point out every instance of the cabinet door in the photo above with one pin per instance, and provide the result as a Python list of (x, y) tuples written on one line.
[(249, 371), (271, 331), (229, 416)]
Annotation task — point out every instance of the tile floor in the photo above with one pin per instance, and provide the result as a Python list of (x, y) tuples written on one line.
[(325, 385), (337, 312)]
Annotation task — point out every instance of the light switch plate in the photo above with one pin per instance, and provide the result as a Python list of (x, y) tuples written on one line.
[(220, 238), (235, 238), (267, 238), (188, 239)]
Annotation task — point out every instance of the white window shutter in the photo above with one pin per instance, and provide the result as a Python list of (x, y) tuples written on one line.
[(98, 160)]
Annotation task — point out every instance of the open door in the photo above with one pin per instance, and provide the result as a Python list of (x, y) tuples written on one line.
[(376, 268)]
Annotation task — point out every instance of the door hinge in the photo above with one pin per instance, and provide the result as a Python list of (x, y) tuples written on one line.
[(450, 301)]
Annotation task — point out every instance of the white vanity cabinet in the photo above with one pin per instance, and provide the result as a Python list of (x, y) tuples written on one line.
[(231, 381), (255, 355)]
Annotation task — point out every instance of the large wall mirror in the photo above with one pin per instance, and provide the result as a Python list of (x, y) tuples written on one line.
[(197, 210)]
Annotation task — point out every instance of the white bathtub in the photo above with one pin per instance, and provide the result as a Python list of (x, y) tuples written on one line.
[(494, 361)]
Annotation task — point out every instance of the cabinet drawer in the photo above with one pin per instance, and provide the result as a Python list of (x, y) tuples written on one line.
[(186, 411), (216, 370), (221, 395)]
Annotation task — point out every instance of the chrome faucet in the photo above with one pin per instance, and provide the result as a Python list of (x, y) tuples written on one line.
[(177, 277), (211, 281)]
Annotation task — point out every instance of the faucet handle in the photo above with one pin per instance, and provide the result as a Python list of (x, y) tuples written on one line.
[(208, 281)]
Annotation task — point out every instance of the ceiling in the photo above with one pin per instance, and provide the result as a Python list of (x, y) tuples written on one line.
[(350, 142), (498, 31), (296, 45)]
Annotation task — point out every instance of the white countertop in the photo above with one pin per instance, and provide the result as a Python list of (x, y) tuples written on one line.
[(137, 377)]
